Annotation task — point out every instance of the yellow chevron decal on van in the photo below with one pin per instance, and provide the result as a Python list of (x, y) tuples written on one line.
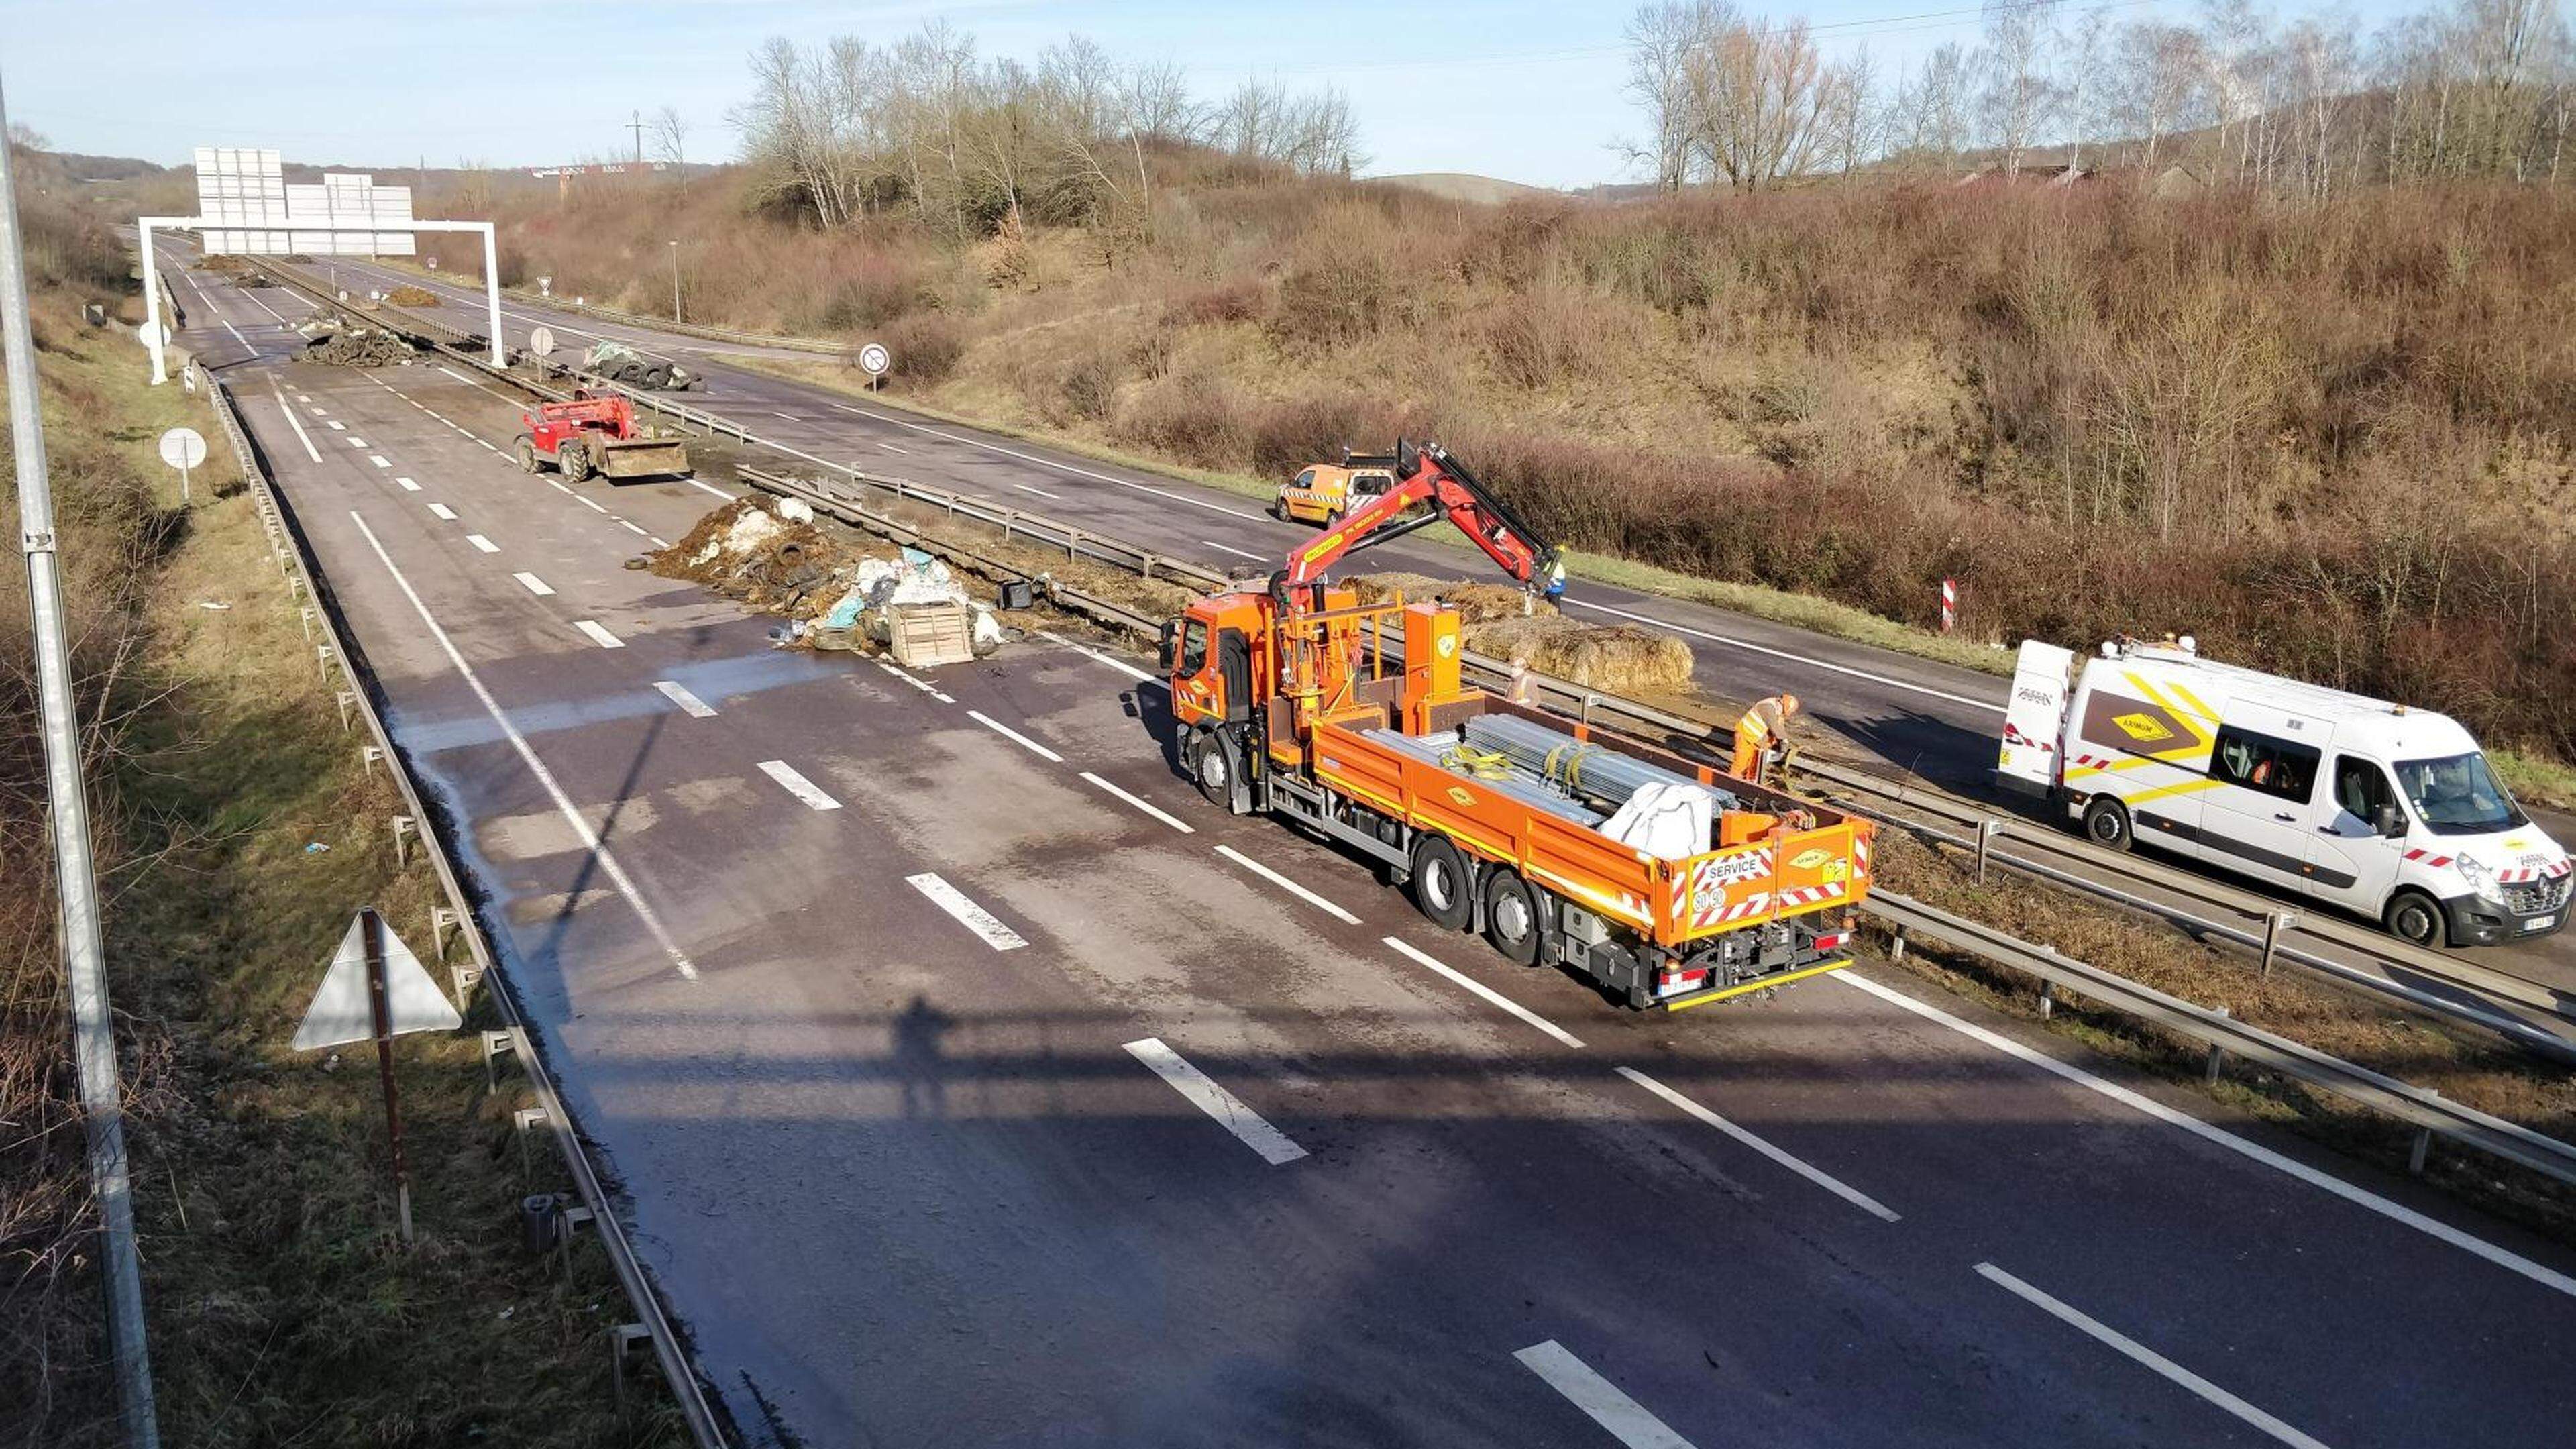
[(2142, 728)]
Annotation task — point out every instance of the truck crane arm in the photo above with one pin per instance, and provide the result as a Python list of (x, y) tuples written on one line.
[(1422, 475)]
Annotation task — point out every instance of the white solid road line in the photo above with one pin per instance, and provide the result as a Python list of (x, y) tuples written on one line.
[(2359, 1196), (443, 511), (704, 487), (1285, 884), (1816, 1175), (1147, 806), (996, 726), (1042, 493), (791, 417), (586, 503), (485, 544), (690, 704), (533, 584), (1490, 994), (797, 785), (1789, 655), (1121, 665), (598, 635), (1599, 1399), (1202, 1092), (633, 529), (1228, 548), (301, 436), (478, 387), (2066, 1313), (408, 486), (608, 865), (237, 337), (972, 916), (891, 448)]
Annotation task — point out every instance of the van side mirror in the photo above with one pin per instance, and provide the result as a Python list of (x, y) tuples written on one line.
[(2390, 821), (1170, 652)]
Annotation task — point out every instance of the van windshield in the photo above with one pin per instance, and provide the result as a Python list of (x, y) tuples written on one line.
[(2457, 795)]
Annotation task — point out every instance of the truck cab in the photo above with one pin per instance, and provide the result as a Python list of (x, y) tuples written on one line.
[(2383, 810)]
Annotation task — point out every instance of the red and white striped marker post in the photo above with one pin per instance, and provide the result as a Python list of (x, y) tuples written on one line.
[(1949, 604)]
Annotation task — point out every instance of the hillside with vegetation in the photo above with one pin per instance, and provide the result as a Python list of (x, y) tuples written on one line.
[(2291, 369)]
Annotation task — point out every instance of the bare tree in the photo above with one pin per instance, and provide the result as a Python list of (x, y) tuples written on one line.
[(2016, 98), (670, 135), (1928, 120), (2320, 67), (1754, 98), (1661, 38), (2155, 82)]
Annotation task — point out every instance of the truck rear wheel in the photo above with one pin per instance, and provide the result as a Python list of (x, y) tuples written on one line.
[(1512, 920), (1440, 883), (526, 452)]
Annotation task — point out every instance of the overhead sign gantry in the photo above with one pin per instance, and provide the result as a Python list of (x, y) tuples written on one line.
[(245, 207)]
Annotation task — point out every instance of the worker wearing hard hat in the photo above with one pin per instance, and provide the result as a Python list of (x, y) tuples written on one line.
[(1763, 728)]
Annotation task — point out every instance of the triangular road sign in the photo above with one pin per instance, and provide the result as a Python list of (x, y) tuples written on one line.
[(340, 1012)]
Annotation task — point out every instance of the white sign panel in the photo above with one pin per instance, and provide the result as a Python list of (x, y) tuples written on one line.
[(340, 1012), (248, 207), (875, 359), (183, 448)]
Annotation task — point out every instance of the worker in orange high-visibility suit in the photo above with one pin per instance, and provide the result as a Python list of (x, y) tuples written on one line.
[(1764, 726)]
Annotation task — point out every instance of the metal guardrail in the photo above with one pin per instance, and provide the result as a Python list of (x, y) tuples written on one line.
[(704, 1426), (2426, 1110)]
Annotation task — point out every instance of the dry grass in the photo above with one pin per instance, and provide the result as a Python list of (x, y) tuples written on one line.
[(1616, 657)]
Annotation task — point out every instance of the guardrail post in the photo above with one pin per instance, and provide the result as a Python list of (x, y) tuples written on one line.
[(1589, 700), (322, 659), (1072, 544), (1987, 831), (2217, 1058), (404, 828), (622, 1341), (2423, 1149), (2047, 998), (1896, 944), (2273, 925), (441, 921), (520, 1122), (1145, 565), (348, 703), (570, 1218), (367, 757), (496, 1044)]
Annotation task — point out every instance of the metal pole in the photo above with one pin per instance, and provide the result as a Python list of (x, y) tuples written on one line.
[(76, 889), (151, 300), (675, 281), (492, 294), (372, 931)]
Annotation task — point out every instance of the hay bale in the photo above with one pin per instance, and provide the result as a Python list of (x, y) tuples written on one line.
[(408, 295), (1476, 603), (1618, 657)]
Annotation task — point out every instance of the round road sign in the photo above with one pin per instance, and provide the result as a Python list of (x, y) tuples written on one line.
[(541, 341), (182, 448), (875, 359)]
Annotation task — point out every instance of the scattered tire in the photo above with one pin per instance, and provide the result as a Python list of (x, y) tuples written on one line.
[(1511, 917), (656, 378), (1440, 883), (2106, 823), (525, 450), (2414, 917), (1212, 768)]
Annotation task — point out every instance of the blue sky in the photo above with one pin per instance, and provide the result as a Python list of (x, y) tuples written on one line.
[(1528, 90)]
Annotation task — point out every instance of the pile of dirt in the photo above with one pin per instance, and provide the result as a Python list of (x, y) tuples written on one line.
[(766, 552), (357, 347), (1618, 657), (408, 295)]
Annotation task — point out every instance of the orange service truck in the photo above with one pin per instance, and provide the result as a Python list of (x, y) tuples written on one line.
[(1662, 880)]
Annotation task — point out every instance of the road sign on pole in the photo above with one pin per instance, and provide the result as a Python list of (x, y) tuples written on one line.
[(183, 449), (875, 360), (376, 988)]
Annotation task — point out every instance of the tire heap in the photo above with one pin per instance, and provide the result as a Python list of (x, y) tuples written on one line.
[(356, 347)]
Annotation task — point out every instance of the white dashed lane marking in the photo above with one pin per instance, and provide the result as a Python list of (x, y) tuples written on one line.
[(408, 486), (485, 544), (690, 704), (1147, 806), (533, 584), (798, 786), (968, 914), (1201, 1091), (1598, 1398), (1285, 884), (598, 635)]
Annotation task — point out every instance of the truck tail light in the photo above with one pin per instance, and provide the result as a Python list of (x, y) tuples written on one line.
[(1672, 981), (1832, 942)]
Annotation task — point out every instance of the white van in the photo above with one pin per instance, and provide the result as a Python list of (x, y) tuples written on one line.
[(2368, 805)]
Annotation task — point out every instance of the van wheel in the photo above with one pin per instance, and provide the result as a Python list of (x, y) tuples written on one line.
[(1212, 767), (2106, 823), (1512, 917), (1440, 883), (2414, 917)]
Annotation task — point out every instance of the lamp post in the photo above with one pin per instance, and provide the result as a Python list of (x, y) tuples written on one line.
[(675, 281)]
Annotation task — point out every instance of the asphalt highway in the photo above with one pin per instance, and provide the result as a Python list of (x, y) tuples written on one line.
[(972, 1082), (1915, 716)]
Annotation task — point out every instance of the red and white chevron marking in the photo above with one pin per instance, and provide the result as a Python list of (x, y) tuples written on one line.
[(2426, 856)]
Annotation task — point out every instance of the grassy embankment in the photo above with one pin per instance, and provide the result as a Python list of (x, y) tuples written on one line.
[(280, 1310)]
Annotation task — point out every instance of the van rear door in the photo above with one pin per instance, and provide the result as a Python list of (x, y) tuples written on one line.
[(2035, 718)]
